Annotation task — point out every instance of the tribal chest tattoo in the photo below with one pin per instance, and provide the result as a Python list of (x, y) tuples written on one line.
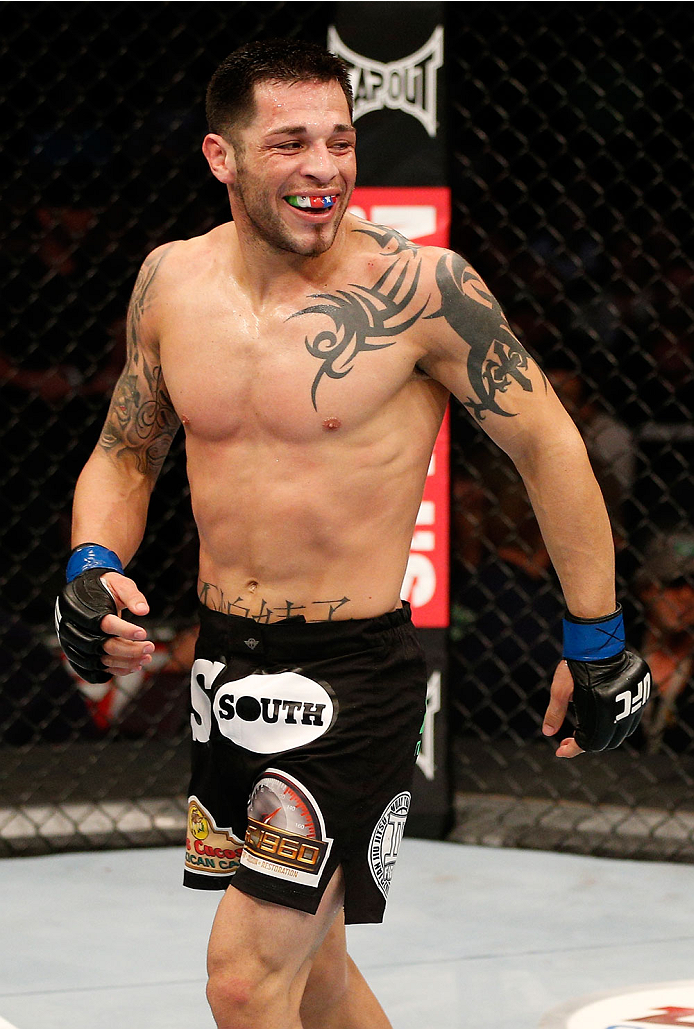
[(368, 318), (364, 318)]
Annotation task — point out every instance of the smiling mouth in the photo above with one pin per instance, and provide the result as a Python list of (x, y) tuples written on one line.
[(308, 203)]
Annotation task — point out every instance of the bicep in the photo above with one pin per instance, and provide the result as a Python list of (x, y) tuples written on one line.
[(141, 422), (478, 358)]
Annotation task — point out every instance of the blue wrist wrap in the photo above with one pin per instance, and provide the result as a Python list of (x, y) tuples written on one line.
[(589, 639), (91, 555)]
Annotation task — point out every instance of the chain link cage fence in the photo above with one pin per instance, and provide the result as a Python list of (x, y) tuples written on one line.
[(572, 127), (571, 130)]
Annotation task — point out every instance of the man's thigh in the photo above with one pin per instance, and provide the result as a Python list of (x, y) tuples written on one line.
[(254, 939)]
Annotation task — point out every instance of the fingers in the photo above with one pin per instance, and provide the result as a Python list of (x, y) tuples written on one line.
[(568, 748), (561, 693), (121, 656), (128, 649), (127, 596), (125, 593)]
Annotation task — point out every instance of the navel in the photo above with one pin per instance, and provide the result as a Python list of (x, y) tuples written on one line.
[(329, 424), (252, 585)]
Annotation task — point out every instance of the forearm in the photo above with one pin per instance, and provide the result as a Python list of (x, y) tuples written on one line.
[(573, 520), (110, 505)]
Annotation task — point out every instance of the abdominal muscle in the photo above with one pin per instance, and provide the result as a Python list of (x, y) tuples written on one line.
[(324, 538)]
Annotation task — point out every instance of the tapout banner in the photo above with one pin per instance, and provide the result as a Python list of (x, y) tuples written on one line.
[(396, 52)]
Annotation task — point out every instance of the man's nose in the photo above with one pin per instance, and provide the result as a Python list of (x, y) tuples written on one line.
[(319, 163)]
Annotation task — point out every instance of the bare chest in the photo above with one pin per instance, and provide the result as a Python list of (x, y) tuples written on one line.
[(328, 363)]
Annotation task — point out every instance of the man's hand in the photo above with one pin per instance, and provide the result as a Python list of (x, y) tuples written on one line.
[(608, 695), (97, 641), (128, 648), (561, 693)]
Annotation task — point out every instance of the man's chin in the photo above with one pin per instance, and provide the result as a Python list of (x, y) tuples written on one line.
[(313, 246)]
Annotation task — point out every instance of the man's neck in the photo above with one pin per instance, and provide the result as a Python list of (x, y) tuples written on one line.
[(270, 273)]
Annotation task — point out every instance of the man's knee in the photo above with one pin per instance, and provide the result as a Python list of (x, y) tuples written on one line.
[(240, 996), (240, 980), (230, 995), (259, 958)]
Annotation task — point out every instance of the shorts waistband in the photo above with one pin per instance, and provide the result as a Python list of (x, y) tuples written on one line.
[(284, 638)]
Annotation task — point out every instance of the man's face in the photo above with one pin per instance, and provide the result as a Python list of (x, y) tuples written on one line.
[(298, 150)]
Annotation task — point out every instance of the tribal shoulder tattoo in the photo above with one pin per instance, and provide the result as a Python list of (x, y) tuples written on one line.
[(367, 318), (495, 358), (388, 238), (141, 420)]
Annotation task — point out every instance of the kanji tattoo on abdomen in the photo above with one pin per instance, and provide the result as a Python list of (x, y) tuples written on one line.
[(261, 611)]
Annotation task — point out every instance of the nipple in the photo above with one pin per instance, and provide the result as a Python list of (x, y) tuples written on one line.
[(331, 423), (185, 420)]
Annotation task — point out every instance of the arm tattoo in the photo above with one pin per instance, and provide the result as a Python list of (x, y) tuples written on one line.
[(141, 420), (142, 295), (361, 314), (496, 358)]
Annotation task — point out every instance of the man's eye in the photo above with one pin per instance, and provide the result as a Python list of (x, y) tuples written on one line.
[(293, 145)]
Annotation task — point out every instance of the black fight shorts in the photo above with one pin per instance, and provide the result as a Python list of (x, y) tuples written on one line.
[(304, 742)]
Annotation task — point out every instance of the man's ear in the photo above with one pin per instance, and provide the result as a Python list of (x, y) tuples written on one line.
[(220, 157)]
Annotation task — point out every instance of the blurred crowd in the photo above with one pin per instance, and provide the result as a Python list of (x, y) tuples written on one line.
[(607, 310), (614, 333)]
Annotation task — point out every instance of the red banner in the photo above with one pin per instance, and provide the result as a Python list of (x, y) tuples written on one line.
[(422, 214), (426, 578)]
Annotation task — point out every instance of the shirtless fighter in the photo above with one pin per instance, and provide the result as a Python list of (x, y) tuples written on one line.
[(309, 357)]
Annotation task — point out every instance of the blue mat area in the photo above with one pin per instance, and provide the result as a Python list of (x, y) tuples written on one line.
[(473, 937)]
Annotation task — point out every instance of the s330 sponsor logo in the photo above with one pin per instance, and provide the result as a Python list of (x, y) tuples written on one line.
[(286, 836)]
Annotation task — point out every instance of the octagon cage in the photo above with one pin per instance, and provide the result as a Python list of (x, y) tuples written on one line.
[(571, 127)]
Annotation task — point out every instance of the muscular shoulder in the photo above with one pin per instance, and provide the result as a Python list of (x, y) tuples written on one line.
[(452, 300), (166, 272), (460, 301), (370, 239), (469, 345), (172, 263), (147, 291), (437, 269)]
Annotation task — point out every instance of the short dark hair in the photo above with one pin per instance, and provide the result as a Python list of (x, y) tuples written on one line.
[(229, 98)]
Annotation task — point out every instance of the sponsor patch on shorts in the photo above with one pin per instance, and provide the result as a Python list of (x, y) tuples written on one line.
[(265, 713), (385, 841), (209, 849), (286, 836)]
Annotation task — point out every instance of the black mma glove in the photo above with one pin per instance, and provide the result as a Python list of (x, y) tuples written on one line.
[(611, 685), (82, 605)]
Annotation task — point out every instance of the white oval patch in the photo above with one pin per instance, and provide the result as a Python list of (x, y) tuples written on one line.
[(269, 714), (659, 1004)]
